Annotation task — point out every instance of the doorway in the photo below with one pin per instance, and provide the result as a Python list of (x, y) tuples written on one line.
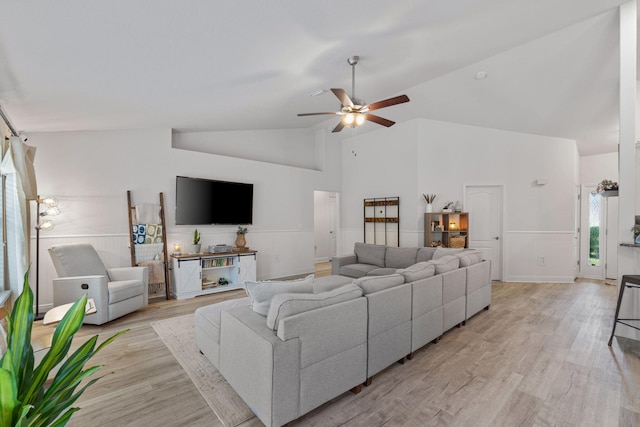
[(485, 206), (325, 225), (599, 249)]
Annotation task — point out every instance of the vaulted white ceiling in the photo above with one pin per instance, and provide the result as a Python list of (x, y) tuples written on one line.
[(552, 65)]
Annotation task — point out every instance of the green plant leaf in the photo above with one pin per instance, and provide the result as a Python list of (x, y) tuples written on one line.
[(8, 396)]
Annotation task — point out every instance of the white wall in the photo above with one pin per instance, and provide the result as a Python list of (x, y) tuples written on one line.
[(90, 173), (426, 156), (593, 169)]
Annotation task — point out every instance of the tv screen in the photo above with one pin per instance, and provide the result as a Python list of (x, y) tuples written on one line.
[(207, 201)]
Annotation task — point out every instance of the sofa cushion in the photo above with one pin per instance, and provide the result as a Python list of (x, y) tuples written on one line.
[(329, 283), (400, 257), (372, 284), (261, 293), (425, 254), (417, 271), (446, 263), (469, 257), (381, 271), (285, 305), (356, 270), (441, 252), (370, 254)]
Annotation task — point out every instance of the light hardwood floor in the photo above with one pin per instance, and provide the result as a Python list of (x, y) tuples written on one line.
[(538, 357)]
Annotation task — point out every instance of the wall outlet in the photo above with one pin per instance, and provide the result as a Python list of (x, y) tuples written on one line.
[(541, 261)]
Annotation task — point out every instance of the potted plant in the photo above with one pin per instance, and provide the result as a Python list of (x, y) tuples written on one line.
[(241, 242), (195, 247), (26, 398)]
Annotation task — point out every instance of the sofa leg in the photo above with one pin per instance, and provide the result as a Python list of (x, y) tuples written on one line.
[(410, 356), (357, 389), (368, 381), (437, 340), (487, 307), (464, 323)]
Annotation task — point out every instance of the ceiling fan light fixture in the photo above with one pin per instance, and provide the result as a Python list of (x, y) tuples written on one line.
[(360, 119), (348, 119)]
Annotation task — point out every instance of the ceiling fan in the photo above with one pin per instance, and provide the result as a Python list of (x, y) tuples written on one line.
[(354, 111)]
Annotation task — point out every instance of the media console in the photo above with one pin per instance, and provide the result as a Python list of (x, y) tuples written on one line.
[(201, 274)]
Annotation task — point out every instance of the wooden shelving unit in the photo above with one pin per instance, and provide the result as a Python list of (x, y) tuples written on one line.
[(382, 221), (446, 228)]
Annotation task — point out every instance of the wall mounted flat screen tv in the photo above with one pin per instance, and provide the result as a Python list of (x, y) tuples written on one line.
[(206, 201)]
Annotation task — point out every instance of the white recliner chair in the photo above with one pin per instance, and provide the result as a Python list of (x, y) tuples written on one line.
[(115, 291)]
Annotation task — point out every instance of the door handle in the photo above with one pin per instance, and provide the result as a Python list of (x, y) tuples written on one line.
[(496, 238)]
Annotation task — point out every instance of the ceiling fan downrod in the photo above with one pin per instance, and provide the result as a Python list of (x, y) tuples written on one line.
[(353, 60)]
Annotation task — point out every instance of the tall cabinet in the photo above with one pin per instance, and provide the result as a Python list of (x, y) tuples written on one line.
[(446, 229)]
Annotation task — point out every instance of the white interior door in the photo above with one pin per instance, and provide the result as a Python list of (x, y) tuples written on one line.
[(484, 204)]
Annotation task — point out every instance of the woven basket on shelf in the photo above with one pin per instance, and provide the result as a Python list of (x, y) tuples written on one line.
[(457, 242)]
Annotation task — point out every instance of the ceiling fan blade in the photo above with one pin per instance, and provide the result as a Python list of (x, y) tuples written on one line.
[(339, 127), (379, 120), (315, 114), (387, 102), (343, 97)]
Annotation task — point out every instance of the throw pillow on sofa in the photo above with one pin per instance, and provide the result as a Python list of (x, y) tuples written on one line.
[(261, 293), (441, 252), (372, 284), (285, 305), (417, 271), (446, 263), (469, 257)]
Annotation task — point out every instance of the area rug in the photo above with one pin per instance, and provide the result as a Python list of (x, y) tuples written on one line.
[(178, 335)]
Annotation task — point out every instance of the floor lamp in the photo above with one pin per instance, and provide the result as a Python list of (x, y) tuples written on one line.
[(51, 209)]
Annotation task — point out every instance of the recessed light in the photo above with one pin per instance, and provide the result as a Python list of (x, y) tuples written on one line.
[(481, 75)]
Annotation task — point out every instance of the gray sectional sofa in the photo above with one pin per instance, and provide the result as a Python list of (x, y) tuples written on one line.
[(290, 346)]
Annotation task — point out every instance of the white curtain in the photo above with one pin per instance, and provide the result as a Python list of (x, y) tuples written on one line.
[(20, 187)]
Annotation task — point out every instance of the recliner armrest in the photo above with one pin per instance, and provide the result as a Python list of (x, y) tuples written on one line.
[(129, 273)]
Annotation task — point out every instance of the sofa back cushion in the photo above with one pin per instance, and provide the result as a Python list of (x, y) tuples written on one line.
[(370, 254), (372, 284), (441, 252), (400, 257), (417, 271), (285, 305), (446, 263), (425, 254), (261, 293), (469, 257)]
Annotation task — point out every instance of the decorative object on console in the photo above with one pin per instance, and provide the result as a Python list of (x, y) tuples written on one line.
[(607, 185), (429, 198), (241, 241), (177, 249), (195, 247), (43, 224), (448, 207)]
